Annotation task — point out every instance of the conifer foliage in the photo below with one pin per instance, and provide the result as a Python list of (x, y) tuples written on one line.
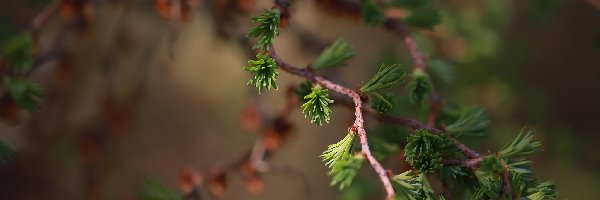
[(317, 105), (429, 149), (265, 72), (432, 145)]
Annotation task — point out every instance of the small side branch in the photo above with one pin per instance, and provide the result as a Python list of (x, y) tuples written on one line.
[(398, 27)]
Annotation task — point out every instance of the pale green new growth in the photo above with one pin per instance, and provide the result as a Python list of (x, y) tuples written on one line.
[(334, 55), (386, 77), (523, 145), (409, 186), (520, 166), (490, 166), (545, 190), (265, 72), (344, 171), (489, 188), (317, 105), (267, 30), (336, 152)]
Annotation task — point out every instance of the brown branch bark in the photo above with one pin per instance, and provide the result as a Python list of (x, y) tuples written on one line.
[(398, 27), (506, 189), (358, 108)]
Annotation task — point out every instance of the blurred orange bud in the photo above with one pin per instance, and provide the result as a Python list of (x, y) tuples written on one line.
[(251, 117), (340, 9), (76, 8), (246, 167), (279, 131), (179, 10), (189, 179), (246, 5), (254, 185), (218, 182)]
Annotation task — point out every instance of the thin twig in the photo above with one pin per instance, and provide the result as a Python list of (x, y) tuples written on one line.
[(398, 27), (506, 189), (472, 164)]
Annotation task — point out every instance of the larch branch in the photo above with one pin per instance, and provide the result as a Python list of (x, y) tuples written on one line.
[(358, 108)]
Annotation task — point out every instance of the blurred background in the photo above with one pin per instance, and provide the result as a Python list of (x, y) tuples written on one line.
[(135, 93)]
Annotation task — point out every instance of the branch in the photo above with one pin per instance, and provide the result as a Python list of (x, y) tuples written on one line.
[(358, 108), (413, 124), (506, 182), (472, 164), (398, 27)]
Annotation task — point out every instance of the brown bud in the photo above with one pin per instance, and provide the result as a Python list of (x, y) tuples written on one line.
[(189, 179)]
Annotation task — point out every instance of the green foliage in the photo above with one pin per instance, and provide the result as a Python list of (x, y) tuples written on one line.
[(152, 190), (409, 3), (544, 190), (456, 174), (265, 72), (6, 153), (334, 55), (523, 145), (267, 29), (371, 13), (469, 122), (419, 87), (317, 105), (18, 53), (517, 185), (408, 186), (489, 188), (520, 166), (387, 76), (343, 172), (25, 93), (382, 103), (424, 17), (490, 166), (425, 150), (336, 152)]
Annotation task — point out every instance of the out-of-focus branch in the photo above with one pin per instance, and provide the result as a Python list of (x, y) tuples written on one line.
[(256, 162), (42, 19)]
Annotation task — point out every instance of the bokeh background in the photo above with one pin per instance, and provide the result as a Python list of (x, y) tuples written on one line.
[(137, 96)]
